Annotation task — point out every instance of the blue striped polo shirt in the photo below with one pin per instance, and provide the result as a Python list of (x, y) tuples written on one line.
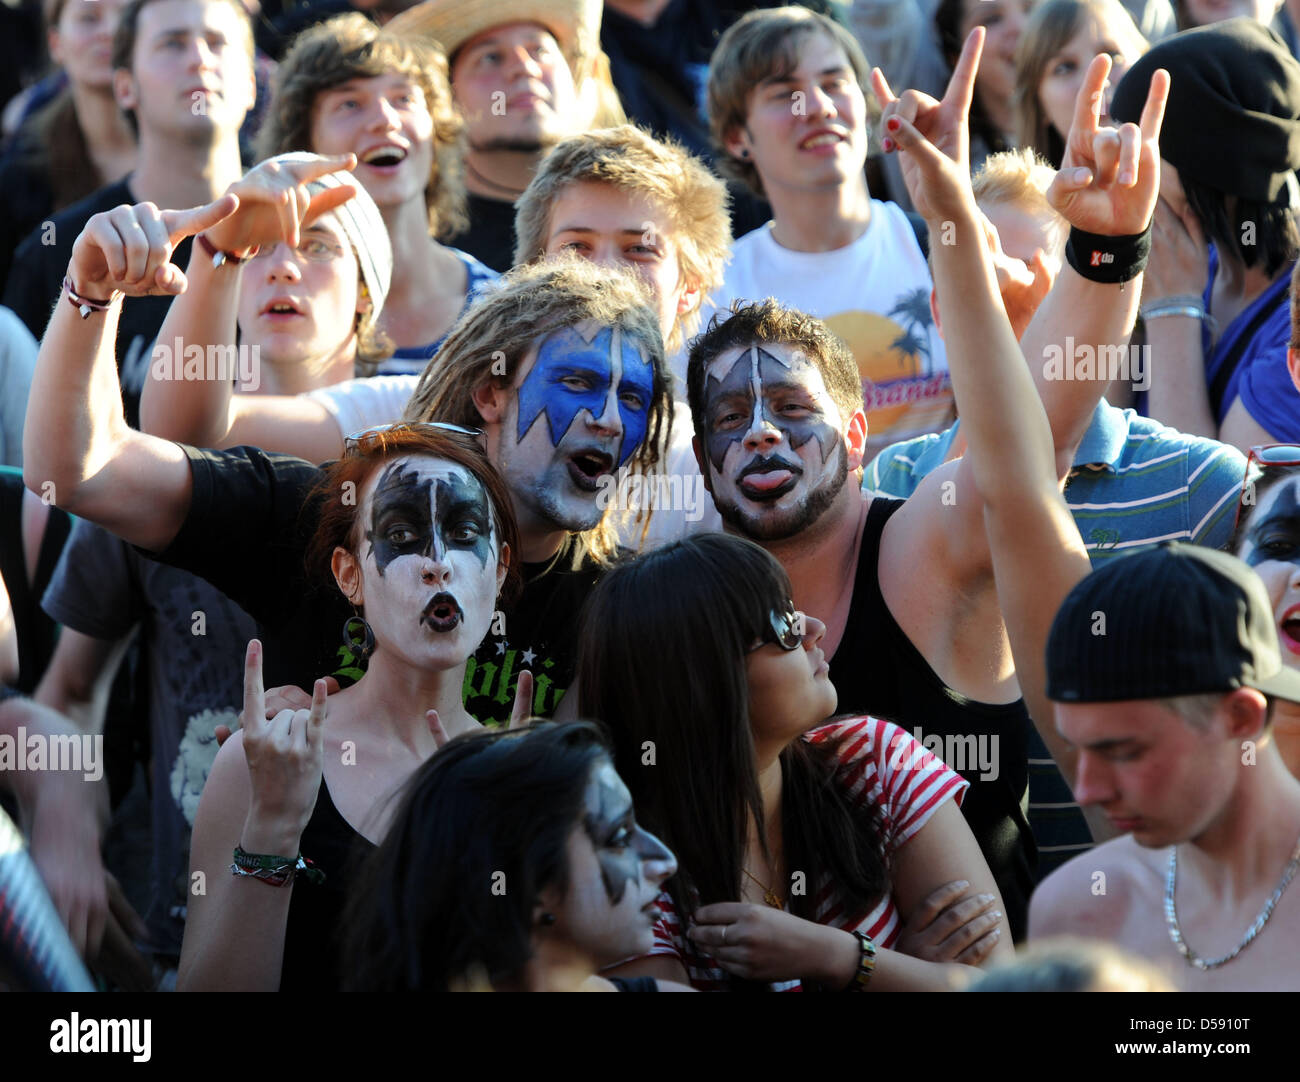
[(1134, 482)]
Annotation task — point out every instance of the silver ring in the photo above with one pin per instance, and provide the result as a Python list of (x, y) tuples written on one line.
[(724, 935)]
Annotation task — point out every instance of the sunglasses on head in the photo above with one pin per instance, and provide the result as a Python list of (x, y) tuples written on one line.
[(1258, 460), (785, 628), (367, 437)]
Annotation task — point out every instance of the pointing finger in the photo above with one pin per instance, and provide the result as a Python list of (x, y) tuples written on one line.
[(185, 223)]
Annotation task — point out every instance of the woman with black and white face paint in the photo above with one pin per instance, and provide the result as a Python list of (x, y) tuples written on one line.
[(1268, 538), (417, 531), (514, 863)]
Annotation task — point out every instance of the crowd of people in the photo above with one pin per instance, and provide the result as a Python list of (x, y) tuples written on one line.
[(704, 496)]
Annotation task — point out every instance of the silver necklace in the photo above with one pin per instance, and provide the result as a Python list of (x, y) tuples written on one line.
[(1171, 914)]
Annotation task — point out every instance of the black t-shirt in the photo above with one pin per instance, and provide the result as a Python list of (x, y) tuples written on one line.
[(878, 671), (490, 237), (247, 530), (36, 281), (539, 633)]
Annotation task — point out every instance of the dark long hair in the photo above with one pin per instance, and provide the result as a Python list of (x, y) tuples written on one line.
[(661, 662), (482, 829), (947, 25)]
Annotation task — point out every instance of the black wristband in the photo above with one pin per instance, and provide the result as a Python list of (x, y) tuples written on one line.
[(1108, 260)]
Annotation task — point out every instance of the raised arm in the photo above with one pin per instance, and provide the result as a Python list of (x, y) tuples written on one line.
[(79, 452), (1103, 187), (259, 797), (274, 204), (1035, 547)]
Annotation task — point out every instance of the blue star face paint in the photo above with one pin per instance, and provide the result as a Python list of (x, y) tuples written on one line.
[(771, 433), (604, 376), (581, 409)]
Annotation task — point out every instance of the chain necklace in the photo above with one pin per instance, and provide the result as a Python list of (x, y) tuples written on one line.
[(1175, 933), (514, 193), (769, 895)]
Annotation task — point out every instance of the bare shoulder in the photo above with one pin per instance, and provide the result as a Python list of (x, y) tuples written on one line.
[(1094, 894)]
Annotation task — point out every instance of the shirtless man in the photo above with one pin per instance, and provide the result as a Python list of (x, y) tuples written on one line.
[(1174, 741)]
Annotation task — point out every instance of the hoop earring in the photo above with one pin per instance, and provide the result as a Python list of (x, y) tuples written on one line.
[(365, 645)]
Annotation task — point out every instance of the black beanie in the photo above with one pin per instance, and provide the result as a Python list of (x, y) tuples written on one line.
[(1233, 119)]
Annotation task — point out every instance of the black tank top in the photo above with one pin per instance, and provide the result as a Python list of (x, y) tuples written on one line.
[(878, 671), (313, 937)]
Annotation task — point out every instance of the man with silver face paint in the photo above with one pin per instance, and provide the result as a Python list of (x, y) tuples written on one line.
[(780, 428)]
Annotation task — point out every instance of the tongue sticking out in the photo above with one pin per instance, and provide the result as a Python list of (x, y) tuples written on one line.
[(765, 482)]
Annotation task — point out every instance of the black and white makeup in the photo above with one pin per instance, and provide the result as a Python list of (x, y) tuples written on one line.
[(616, 872), (775, 456), (430, 556), (1271, 545)]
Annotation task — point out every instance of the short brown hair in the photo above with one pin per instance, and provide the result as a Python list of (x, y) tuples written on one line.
[(128, 26), (490, 341), (762, 45), (768, 322), (351, 47), (636, 162)]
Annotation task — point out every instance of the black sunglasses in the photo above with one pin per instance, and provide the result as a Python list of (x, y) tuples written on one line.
[(786, 629)]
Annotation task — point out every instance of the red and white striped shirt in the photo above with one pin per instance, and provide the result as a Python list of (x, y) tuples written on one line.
[(880, 763)]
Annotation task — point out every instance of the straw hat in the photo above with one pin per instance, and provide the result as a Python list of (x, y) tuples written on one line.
[(575, 24)]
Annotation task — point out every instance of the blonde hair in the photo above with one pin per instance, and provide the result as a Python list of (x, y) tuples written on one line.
[(633, 161), (759, 46), (1050, 28), (351, 47), (490, 341), (1020, 178)]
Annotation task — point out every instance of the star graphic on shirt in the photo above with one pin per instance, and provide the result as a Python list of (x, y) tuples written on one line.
[(528, 656), (501, 647)]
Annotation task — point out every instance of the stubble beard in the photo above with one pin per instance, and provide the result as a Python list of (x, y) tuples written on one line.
[(782, 526)]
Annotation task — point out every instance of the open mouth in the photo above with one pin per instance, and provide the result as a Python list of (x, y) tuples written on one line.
[(588, 467), (384, 157), (281, 308), (442, 613), (1289, 629), (768, 480), (821, 139)]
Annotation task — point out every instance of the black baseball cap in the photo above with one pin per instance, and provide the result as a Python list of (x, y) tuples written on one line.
[(1167, 621)]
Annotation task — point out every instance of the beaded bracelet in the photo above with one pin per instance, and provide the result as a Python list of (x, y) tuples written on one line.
[(275, 871), (866, 964)]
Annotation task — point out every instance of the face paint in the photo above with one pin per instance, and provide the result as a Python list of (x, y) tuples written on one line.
[(429, 563), (420, 515), (755, 379), (770, 439), (1274, 534), (603, 374), (621, 846)]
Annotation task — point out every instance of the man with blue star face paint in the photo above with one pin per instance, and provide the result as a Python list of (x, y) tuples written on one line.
[(581, 410)]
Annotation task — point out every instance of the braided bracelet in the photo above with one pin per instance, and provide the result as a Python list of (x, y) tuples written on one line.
[(275, 871)]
